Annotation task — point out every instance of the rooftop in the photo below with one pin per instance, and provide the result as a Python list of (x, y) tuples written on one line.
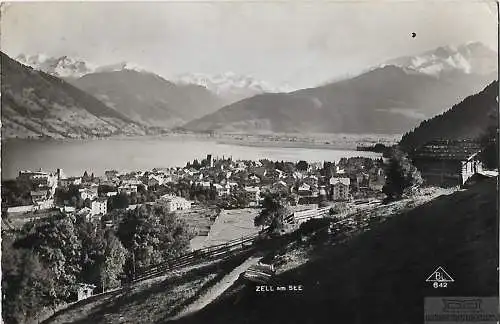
[(447, 150)]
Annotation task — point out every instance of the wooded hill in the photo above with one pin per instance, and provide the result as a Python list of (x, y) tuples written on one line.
[(475, 118)]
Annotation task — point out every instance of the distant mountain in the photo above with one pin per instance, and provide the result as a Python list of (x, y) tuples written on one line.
[(130, 89), (148, 98), (70, 67), (386, 100), (471, 58), (63, 66), (471, 119), (229, 86), (36, 104)]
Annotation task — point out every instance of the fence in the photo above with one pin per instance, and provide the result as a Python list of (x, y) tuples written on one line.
[(221, 250), (194, 257), (305, 215)]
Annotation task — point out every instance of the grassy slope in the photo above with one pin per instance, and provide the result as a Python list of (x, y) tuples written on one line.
[(150, 301), (379, 276)]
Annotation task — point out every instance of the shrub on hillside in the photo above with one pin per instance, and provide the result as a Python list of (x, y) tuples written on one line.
[(401, 175)]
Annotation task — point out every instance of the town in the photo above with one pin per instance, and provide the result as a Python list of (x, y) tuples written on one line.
[(219, 182), (102, 233)]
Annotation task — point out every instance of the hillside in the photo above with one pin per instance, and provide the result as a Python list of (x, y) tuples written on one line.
[(379, 276), (36, 104), (390, 98), (386, 100), (147, 98), (470, 119)]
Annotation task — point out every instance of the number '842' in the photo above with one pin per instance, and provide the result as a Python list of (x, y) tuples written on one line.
[(440, 284)]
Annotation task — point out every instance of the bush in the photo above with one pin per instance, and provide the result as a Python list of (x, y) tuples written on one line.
[(401, 175)]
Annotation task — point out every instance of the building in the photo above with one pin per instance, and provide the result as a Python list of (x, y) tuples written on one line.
[(127, 189), (304, 190), (174, 203), (39, 195), (84, 291), (99, 207), (339, 188), (253, 195), (447, 163), (280, 186), (273, 175), (68, 210), (154, 180), (88, 193), (44, 204), (111, 193), (75, 181), (222, 190), (40, 180), (311, 180)]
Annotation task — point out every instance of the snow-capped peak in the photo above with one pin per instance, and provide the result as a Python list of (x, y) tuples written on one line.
[(65, 66), (468, 58), (230, 85)]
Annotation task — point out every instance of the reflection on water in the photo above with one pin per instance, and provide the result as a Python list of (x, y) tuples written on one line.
[(74, 157)]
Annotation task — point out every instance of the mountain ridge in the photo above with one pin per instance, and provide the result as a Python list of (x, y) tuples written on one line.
[(148, 98), (385, 100), (36, 104)]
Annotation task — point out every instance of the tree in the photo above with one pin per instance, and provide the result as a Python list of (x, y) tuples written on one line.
[(302, 165), (56, 243), (152, 234), (401, 175), (114, 260), (275, 209), (35, 291), (120, 201), (43, 270), (196, 165)]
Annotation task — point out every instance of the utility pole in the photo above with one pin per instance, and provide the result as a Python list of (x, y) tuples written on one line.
[(133, 265)]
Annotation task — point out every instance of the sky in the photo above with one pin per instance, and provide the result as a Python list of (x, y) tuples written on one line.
[(299, 43)]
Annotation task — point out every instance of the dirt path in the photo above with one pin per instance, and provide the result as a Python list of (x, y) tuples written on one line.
[(217, 289)]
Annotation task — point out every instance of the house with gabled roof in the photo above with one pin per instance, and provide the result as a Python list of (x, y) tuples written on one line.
[(447, 163)]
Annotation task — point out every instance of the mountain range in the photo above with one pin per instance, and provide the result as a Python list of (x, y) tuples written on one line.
[(389, 99), (36, 104), (229, 87), (148, 98)]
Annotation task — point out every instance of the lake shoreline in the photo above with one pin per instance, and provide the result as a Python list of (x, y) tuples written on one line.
[(134, 154)]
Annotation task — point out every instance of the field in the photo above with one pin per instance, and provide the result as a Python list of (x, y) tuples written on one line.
[(230, 225)]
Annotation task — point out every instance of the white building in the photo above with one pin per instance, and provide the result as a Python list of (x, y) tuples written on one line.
[(99, 207), (127, 189), (174, 203), (111, 193)]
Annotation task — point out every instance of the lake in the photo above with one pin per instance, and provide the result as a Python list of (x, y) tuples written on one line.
[(128, 154)]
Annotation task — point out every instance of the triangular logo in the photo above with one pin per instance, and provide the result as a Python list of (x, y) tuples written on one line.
[(439, 275)]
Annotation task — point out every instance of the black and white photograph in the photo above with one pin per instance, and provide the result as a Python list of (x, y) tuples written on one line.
[(225, 162)]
